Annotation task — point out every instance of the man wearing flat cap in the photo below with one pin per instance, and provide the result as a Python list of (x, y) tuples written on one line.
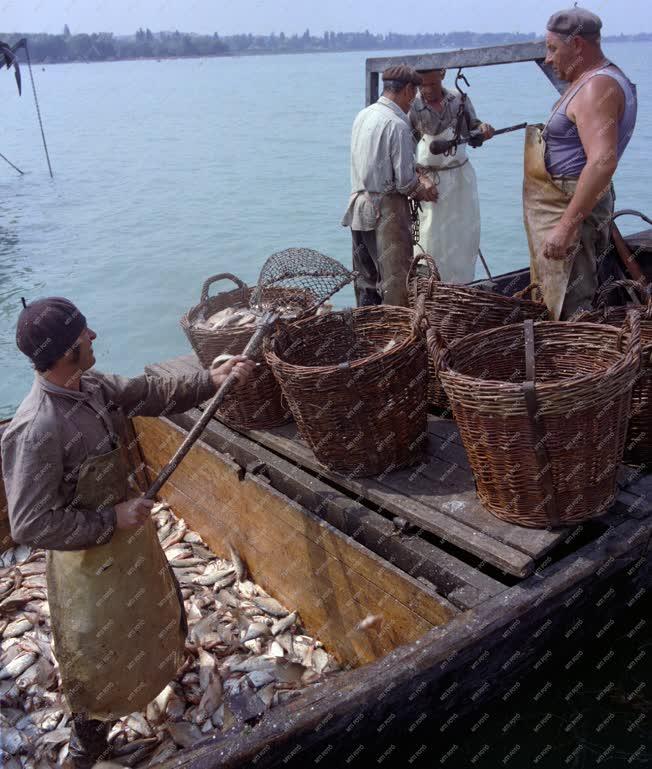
[(118, 622), (568, 197), (383, 177)]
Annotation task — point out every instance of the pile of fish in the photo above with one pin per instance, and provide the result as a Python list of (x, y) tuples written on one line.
[(235, 317), (245, 654), (229, 317)]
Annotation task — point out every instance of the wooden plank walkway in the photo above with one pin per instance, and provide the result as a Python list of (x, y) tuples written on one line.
[(437, 495)]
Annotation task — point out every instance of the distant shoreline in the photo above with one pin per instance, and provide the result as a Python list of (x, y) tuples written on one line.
[(104, 47)]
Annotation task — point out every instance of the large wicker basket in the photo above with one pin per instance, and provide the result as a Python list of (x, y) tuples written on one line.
[(207, 343), (356, 383), (259, 405), (544, 433), (638, 446), (457, 310)]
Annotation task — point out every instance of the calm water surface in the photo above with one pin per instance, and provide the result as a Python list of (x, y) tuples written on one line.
[(168, 172)]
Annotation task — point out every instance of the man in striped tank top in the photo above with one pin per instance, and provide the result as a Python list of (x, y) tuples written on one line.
[(584, 139)]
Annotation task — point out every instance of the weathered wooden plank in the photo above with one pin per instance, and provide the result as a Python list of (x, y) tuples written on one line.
[(392, 499), (464, 57), (443, 668), (330, 578), (460, 583)]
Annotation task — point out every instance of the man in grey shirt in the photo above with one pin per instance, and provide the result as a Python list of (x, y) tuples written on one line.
[(383, 176)]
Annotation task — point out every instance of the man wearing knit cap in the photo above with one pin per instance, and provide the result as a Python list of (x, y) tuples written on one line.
[(568, 195), (118, 622), (383, 177)]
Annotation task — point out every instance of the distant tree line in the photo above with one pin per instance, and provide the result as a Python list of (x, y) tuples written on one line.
[(145, 44)]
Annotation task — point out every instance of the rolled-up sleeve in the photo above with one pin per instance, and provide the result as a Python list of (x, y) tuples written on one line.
[(32, 469), (153, 396), (402, 154)]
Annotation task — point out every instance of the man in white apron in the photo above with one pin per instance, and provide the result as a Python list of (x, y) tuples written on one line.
[(568, 198), (118, 621), (450, 228)]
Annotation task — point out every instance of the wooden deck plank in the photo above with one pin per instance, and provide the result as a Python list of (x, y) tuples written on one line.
[(397, 503), (330, 578), (467, 533), (461, 583)]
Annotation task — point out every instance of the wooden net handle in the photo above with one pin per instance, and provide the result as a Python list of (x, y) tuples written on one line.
[(221, 276)]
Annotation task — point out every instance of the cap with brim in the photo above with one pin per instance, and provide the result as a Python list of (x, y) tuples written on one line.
[(575, 22)]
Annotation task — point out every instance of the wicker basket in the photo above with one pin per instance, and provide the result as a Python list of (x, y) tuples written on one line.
[(361, 408), (207, 343), (259, 405), (544, 436), (638, 446), (457, 310)]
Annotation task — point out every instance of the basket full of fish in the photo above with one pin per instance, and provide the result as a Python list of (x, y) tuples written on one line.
[(220, 326), (356, 383)]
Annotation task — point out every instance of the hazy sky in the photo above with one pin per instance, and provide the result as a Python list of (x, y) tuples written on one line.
[(289, 16)]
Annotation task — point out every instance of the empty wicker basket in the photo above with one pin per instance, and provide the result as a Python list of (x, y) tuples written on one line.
[(356, 384), (457, 310), (544, 433), (638, 446), (259, 405)]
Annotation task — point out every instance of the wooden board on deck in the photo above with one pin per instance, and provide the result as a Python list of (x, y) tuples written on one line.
[(307, 564), (438, 495)]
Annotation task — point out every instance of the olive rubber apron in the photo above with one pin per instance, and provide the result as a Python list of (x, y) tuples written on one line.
[(544, 203), (116, 616), (449, 229)]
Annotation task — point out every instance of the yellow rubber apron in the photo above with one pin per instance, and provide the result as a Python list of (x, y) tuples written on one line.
[(116, 617), (544, 203)]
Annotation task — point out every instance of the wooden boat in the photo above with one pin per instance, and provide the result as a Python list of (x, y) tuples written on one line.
[(469, 602)]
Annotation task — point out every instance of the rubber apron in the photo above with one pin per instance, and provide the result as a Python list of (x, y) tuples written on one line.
[(117, 622)]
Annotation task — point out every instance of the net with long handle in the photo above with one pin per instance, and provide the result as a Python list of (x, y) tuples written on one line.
[(296, 281), (307, 279)]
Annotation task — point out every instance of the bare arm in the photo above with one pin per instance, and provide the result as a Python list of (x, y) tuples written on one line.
[(595, 110)]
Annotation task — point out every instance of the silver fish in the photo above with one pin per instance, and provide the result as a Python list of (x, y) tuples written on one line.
[(237, 562), (18, 665), (270, 606), (17, 628), (283, 624)]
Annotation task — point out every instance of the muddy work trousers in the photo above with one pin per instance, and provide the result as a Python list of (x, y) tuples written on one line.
[(591, 250), (88, 743), (382, 257)]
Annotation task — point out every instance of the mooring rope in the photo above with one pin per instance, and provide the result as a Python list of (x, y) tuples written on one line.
[(38, 110)]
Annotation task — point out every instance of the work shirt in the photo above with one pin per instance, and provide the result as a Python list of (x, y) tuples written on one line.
[(426, 120), (56, 429), (382, 161)]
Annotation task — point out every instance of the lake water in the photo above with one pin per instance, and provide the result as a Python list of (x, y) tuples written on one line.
[(168, 172)]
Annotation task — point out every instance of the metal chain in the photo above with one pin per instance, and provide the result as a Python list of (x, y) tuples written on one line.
[(415, 207), (38, 110)]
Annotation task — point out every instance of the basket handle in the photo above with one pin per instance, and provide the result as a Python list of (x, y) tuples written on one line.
[(433, 273), (633, 322), (419, 318), (214, 278), (522, 294), (438, 350), (644, 293)]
